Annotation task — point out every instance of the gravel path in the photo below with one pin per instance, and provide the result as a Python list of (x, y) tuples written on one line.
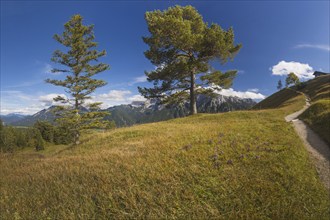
[(295, 115), (318, 150)]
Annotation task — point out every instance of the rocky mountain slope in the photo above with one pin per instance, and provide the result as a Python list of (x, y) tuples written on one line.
[(139, 112), (12, 118), (152, 110)]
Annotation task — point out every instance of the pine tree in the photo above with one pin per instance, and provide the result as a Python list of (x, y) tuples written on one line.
[(46, 130), (39, 142), (62, 135), (279, 85), (2, 145), (80, 65), (8, 139), (21, 138), (181, 46), (1, 125)]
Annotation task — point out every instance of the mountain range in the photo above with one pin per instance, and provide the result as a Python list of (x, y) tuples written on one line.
[(139, 112)]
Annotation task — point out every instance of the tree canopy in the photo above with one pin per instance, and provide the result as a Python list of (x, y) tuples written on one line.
[(181, 46), (80, 63), (292, 79)]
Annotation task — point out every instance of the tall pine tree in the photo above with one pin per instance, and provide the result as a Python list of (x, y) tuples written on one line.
[(181, 46), (80, 63)]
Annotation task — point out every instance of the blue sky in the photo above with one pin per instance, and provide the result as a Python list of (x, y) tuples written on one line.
[(277, 37)]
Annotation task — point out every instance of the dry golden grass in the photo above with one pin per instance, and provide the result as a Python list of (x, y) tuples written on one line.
[(247, 164), (318, 88), (287, 99)]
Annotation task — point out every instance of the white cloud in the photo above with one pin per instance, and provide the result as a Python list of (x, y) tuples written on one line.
[(302, 70), (253, 90), (140, 79), (30, 110), (115, 95), (14, 95), (25, 84), (14, 101), (47, 68), (136, 98), (314, 46), (48, 99), (250, 94)]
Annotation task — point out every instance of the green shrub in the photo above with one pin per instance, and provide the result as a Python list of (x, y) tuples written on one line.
[(46, 130)]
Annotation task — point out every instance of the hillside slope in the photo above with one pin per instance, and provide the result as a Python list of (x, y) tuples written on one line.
[(318, 88), (246, 164), (281, 99), (318, 115)]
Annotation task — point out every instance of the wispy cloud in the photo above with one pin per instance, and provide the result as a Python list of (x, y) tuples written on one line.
[(249, 94), (302, 70), (47, 68), (140, 79), (48, 99), (29, 110), (314, 46), (131, 82), (136, 98), (14, 101), (15, 95), (25, 84), (116, 97), (253, 90)]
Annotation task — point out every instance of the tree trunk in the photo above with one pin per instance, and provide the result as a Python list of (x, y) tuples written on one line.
[(76, 133), (76, 105), (193, 107), (76, 138)]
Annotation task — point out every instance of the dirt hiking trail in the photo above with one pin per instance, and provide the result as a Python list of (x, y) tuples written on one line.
[(319, 150)]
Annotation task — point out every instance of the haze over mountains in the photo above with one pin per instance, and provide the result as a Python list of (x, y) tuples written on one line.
[(139, 112)]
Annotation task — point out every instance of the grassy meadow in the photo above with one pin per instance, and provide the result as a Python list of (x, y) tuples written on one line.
[(246, 164)]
